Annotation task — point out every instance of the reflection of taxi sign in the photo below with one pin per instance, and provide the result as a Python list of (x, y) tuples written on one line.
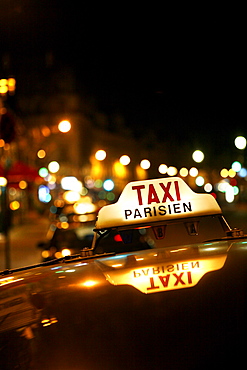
[(163, 270), (157, 278), (156, 200)]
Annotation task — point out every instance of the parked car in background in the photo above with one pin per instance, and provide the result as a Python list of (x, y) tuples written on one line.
[(71, 229)]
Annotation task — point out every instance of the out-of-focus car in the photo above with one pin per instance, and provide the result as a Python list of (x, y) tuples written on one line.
[(162, 286), (71, 229), (64, 241)]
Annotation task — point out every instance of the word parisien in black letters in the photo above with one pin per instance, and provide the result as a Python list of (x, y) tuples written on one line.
[(152, 197)]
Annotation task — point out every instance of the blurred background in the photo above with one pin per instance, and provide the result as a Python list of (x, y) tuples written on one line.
[(94, 97)]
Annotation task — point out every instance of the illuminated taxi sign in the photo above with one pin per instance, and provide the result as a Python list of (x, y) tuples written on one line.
[(156, 200)]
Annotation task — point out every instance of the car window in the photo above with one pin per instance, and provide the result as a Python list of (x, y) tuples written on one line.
[(190, 231)]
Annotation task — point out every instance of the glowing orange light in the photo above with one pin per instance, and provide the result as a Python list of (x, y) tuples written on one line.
[(89, 283), (46, 131), (41, 153), (64, 225), (45, 254), (3, 181), (66, 252), (22, 184), (14, 205), (11, 83), (64, 126)]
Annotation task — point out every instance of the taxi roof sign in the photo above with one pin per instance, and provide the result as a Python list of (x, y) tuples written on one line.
[(155, 200)]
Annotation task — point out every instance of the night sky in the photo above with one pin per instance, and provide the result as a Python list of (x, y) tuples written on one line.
[(178, 72)]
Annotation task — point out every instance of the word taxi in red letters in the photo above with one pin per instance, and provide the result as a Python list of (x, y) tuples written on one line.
[(166, 199)]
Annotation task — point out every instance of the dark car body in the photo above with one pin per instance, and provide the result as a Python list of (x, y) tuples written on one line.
[(67, 241), (144, 306)]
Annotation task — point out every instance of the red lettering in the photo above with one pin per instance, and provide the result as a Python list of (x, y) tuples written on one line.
[(166, 191), (189, 277), (152, 286), (177, 190), (138, 189), (164, 280), (179, 279), (152, 195)]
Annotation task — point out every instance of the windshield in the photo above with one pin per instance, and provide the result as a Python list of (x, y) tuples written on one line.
[(186, 232)]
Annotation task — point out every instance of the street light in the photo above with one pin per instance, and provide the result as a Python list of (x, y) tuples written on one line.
[(198, 156), (162, 168), (193, 172), (53, 166), (183, 172), (124, 160), (145, 164), (240, 142), (3, 181), (172, 171), (64, 126), (100, 155)]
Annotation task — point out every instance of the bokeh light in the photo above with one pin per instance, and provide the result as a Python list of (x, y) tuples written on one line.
[(162, 168), (208, 187), (3, 181), (232, 173), (124, 160), (100, 155), (22, 184), (71, 196), (183, 172), (53, 166), (172, 171), (64, 126), (43, 172), (71, 183), (14, 205), (200, 181), (224, 173), (108, 185), (236, 166), (41, 153), (193, 172), (145, 164), (240, 142), (198, 156), (242, 172)]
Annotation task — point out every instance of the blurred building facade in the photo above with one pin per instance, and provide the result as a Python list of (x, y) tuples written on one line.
[(47, 93), (37, 94)]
